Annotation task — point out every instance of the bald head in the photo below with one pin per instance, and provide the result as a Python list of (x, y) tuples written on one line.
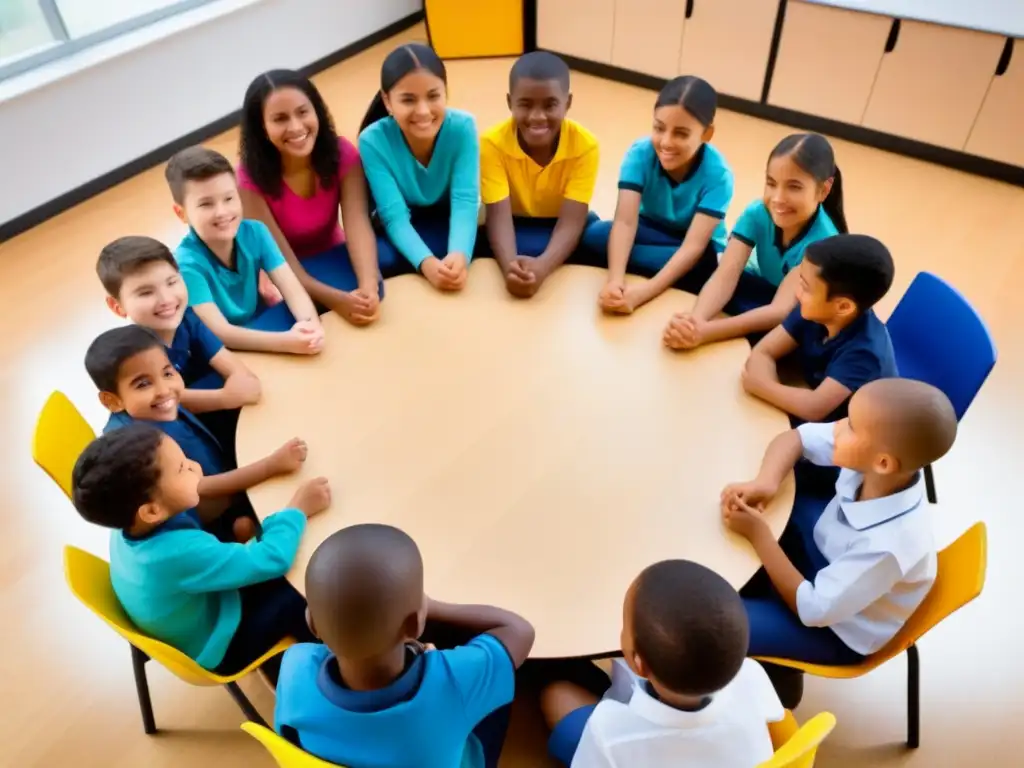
[(364, 586), (914, 421)]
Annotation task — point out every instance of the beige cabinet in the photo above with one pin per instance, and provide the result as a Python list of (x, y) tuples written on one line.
[(727, 42), (580, 28), (827, 61), (648, 36), (998, 132), (931, 85)]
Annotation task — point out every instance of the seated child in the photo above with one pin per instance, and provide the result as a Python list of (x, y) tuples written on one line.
[(684, 693), (223, 605), (756, 280), (144, 285), (221, 258), (674, 190), (848, 573), (840, 342), (373, 696), (538, 171), (138, 383)]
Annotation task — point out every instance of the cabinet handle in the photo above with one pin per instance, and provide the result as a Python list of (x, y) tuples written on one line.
[(689, 8), (894, 35), (1004, 59)]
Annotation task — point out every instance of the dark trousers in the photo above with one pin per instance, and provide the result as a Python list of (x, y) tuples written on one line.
[(334, 267), (532, 236), (432, 224)]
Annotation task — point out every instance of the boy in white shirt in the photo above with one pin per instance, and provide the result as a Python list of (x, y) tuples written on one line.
[(684, 694), (847, 573)]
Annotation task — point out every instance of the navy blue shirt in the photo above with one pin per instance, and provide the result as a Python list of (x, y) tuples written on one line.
[(193, 347), (857, 355), (196, 441)]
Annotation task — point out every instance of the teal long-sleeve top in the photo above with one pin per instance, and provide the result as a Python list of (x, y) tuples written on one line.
[(399, 181), (180, 584)]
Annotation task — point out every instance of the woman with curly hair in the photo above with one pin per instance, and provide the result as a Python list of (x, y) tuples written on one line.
[(295, 174)]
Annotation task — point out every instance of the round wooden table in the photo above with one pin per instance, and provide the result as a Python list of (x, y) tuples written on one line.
[(540, 453)]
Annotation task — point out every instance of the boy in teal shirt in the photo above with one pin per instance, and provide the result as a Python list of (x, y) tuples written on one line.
[(223, 605)]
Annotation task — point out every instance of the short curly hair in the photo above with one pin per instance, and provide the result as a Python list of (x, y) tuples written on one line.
[(116, 474)]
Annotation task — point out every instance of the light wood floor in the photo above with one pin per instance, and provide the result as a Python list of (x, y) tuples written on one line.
[(67, 687)]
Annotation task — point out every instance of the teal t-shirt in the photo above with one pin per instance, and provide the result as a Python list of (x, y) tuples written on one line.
[(707, 188), (771, 259), (234, 291)]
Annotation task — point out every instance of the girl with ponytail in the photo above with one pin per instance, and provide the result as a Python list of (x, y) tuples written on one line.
[(756, 279)]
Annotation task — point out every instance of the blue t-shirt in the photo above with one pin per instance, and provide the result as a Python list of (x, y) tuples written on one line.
[(192, 348), (196, 441), (672, 204), (771, 259), (859, 354), (234, 291), (424, 719)]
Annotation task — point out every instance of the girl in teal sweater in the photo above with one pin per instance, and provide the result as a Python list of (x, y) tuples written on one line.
[(422, 162)]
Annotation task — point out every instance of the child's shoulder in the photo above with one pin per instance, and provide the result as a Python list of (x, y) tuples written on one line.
[(461, 119), (642, 148), (252, 230), (714, 163), (578, 139), (500, 135), (301, 662)]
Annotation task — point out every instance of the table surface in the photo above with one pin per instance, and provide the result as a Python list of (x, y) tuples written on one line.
[(540, 453), (1000, 17)]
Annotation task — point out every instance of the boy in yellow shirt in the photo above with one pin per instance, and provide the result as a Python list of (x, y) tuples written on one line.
[(537, 175)]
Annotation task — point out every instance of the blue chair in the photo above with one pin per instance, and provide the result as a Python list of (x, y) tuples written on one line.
[(939, 338)]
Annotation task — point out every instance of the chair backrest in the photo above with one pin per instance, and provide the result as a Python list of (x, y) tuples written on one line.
[(60, 437), (88, 577), (285, 754), (939, 338), (802, 746), (960, 579)]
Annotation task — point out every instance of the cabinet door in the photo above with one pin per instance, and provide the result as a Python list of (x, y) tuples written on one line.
[(827, 61), (580, 28), (998, 132), (648, 36), (727, 42), (931, 85)]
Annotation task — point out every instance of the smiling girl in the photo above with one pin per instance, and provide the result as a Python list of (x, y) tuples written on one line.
[(674, 189), (295, 174), (757, 278), (422, 162)]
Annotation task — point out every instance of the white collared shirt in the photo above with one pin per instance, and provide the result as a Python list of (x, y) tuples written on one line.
[(642, 732), (881, 554)]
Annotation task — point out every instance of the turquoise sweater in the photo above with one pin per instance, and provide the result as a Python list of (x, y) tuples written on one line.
[(398, 181), (180, 584)]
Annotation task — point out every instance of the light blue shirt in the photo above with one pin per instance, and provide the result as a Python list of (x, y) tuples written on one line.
[(881, 554), (707, 188), (771, 259), (234, 291), (399, 182), (425, 718), (180, 584)]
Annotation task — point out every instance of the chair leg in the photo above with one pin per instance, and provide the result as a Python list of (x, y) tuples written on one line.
[(913, 698), (245, 705), (139, 660), (929, 484)]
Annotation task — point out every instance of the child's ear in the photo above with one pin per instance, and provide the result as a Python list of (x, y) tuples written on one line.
[(151, 513), (845, 306), (115, 306), (413, 626), (568, 102), (508, 101), (387, 102), (310, 624), (179, 211), (636, 663), (709, 133), (826, 188), (886, 464), (111, 402)]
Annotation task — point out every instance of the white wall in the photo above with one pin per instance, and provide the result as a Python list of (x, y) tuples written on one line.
[(66, 133)]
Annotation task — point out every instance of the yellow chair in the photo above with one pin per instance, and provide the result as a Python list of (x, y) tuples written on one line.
[(463, 29), (960, 579), (88, 577), (796, 746), (60, 437), (285, 754)]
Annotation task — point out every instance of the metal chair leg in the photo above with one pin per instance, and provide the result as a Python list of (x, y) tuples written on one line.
[(913, 698), (139, 660), (929, 484), (245, 705)]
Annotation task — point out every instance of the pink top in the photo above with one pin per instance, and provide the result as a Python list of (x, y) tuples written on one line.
[(309, 224)]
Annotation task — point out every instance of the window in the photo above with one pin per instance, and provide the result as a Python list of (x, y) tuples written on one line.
[(34, 32)]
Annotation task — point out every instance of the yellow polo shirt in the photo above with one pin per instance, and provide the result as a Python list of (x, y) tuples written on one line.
[(537, 191)]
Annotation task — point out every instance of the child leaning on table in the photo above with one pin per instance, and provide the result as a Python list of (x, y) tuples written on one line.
[(372, 694), (221, 259), (847, 573), (683, 694), (223, 605)]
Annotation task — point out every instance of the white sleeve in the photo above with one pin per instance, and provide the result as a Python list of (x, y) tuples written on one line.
[(759, 689), (845, 587), (819, 443), (623, 680), (591, 753)]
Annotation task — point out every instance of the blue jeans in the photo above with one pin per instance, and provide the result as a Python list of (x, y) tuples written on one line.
[(431, 224), (532, 236), (565, 736), (334, 267)]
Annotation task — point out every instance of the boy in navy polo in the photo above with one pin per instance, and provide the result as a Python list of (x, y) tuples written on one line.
[(137, 382), (372, 695), (840, 343)]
